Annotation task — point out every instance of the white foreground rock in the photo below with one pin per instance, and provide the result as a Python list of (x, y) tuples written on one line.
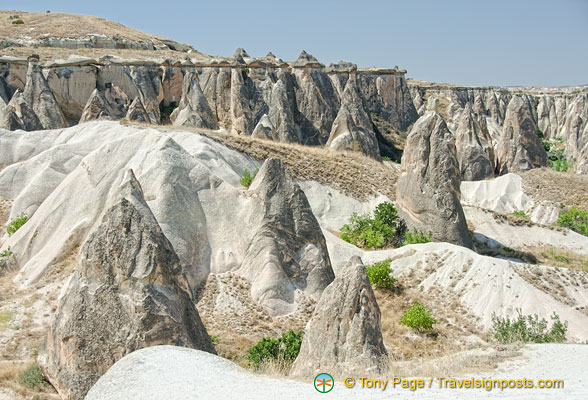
[(65, 178), (174, 373), (505, 194)]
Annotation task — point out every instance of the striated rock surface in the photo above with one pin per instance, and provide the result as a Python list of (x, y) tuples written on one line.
[(353, 128), (242, 117), (38, 94), (428, 188), (128, 292), (110, 104), (264, 128), (287, 253), (137, 112), (388, 96), (282, 111), (520, 147), (475, 153), (316, 102), (8, 118), (193, 109), (72, 87), (24, 112), (343, 335)]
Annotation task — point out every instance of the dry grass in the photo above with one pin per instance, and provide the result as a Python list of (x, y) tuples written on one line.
[(356, 175), (560, 188), (5, 207), (559, 283), (455, 331), (55, 53), (560, 258), (476, 361), (229, 312), (63, 25), (10, 373), (506, 252)]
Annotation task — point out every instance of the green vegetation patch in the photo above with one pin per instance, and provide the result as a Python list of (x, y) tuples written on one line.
[(418, 318), (247, 178), (284, 349), (15, 225), (528, 329), (384, 229), (575, 219), (380, 275), (32, 377), (418, 236)]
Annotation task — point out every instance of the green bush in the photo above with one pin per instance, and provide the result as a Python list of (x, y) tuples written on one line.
[(521, 214), (385, 229), (284, 348), (386, 158), (247, 178), (15, 225), (380, 275), (560, 165), (6, 253), (575, 219), (18, 22), (528, 329), (418, 318), (417, 236), (540, 133), (32, 377), (546, 145)]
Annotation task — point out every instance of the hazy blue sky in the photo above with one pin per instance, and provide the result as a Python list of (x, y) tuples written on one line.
[(492, 42)]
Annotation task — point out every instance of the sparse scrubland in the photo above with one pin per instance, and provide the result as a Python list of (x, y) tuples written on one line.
[(163, 203)]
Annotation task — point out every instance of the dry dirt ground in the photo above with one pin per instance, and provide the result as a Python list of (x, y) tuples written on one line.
[(56, 53), (5, 206), (24, 318), (61, 25), (549, 186), (354, 174), (64, 25)]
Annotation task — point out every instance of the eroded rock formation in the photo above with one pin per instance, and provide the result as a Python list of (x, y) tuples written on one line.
[(128, 292), (193, 109), (40, 97), (475, 152), (343, 336), (428, 188), (288, 252), (520, 147)]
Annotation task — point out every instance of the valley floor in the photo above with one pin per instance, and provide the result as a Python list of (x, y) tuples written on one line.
[(169, 373)]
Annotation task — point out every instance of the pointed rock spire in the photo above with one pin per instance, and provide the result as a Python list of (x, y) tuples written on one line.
[(428, 188), (193, 109), (343, 335)]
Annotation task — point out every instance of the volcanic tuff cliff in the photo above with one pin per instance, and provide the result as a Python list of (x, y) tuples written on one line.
[(561, 114), (341, 106), (129, 75)]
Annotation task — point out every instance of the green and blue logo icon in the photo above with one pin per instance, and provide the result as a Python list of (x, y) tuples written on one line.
[(324, 383)]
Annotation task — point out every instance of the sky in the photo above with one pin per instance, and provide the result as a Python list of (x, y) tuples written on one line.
[(474, 42)]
